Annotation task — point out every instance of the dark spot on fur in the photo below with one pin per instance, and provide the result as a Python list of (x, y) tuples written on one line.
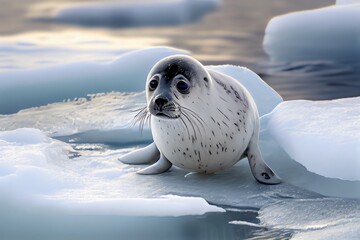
[(225, 124), (223, 114), (206, 79), (210, 152)]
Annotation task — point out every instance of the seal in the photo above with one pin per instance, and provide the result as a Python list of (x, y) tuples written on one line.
[(201, 120)]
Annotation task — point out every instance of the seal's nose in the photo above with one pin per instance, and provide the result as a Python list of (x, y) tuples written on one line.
[(160, 101)]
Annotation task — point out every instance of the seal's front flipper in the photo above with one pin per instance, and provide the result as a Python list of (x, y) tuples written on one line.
[(159, 167), (260, 170), (144, 155)]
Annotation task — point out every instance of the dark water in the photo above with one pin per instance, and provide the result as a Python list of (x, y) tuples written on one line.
[(211, 226)]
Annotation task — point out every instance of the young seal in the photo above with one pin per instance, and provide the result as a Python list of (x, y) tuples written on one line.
[(201, 120)]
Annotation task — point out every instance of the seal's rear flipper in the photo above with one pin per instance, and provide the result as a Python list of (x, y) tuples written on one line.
[(260, 170), (159, 167), (148, 154)]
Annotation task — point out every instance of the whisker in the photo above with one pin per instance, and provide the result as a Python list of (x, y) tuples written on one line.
[(187, 129)]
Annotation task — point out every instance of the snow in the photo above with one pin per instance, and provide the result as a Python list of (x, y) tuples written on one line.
[(324, 136), (127, 14), (329, 33)]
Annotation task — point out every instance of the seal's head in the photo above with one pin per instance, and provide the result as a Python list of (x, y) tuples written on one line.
[(173, 82)]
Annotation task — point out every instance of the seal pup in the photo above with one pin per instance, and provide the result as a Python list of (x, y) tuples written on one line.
[(201, 120)]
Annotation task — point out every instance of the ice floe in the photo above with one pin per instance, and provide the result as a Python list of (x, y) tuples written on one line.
[(130, 14), (329, 33), (324, 136)]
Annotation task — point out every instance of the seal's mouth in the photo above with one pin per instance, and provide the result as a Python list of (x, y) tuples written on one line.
[(165, 115)]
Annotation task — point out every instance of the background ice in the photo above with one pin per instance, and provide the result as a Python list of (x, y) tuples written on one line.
[(339, 2), (127, 14), (35, 87), (324, 136), (265, 97), (329, 33)]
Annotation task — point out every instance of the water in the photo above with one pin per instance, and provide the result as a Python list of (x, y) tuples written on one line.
[(209, 226)]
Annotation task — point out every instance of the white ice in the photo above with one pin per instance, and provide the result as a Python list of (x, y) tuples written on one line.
[(329, 33), (324, 136), (127, 14), (36, 169)]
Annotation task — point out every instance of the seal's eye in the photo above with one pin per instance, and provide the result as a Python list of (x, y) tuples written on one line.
[(153, 84), (182, 86)]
